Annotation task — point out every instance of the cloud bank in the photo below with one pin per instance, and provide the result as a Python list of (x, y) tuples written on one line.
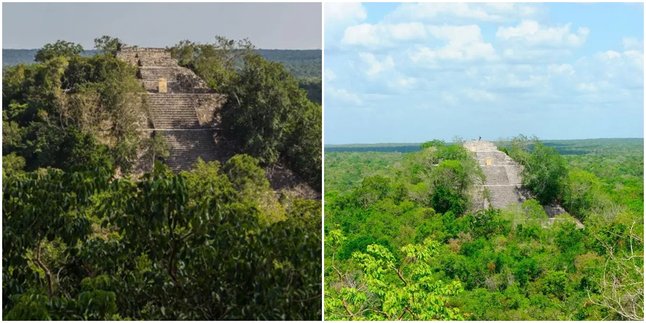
[(423, 71)]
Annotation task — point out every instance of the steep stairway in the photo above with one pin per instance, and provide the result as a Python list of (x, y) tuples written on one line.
[(503, 180), (186, 146), (175, 110), (181, 106)]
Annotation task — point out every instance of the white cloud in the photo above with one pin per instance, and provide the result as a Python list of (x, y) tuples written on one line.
[(530, 32), (619, 68), (561, 69), (493, 12), (376, 66), (330, 75), (403, 82), (632, 43), (478, 95), (633, 58), (344, 12), (586, 87), (343, 96), (375, 35), (449, 98), (464, 43), (534, 55), (459, 34), (467, 60), (610, 55)]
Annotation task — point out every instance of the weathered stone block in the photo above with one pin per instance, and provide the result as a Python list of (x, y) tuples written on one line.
[(163, 86)]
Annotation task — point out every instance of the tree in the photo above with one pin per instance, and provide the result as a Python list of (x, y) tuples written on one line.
[(582, 194), (392, 290), (83, 242), (544, 174), (272, 119), (450, 181), (267, 113), (621, 282), (216, 63), (45, 103), (261, 108), (108, 44), (58, 49)]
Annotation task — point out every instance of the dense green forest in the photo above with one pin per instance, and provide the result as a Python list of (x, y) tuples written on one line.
[(404, 148), (305, 65), (401, 241), (87, 236)]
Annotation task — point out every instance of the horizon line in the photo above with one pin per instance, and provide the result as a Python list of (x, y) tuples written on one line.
[(320, 49), (506, 139)]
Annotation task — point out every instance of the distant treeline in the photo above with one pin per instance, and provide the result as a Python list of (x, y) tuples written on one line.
[(301, 63), (564, 147), (402, 148)]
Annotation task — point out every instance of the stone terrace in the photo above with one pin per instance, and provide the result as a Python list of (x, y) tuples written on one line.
[(182, 106)]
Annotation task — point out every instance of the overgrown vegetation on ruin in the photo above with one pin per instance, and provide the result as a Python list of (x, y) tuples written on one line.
[(398, 246), (267, 113), (83, 239)]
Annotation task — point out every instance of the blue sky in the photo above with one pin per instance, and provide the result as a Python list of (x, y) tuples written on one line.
[(415, 72)]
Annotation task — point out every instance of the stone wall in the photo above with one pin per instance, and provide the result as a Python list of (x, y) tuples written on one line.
[(156, 63), (145, 56)]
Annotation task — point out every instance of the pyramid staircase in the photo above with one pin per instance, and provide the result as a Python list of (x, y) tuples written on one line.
[(181, 110), (502, 176)]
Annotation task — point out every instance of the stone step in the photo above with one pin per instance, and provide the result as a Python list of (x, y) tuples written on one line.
[(503, 196), (157, 61), (495, 175), (175, 87), (165, 97), (177, 110), (176, 114), (167, 72), (179, 79), (502, 174), (185, 147)]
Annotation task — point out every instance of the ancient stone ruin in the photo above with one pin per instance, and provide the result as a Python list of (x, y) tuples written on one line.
[(502, 176), (503, 181), (184, 111), (182, 107)]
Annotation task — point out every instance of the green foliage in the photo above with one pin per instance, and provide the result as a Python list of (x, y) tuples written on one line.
[(517, 261), (84, 239), (261, 115), (212, 243), (12, 163), (313, 87), (60, 48), (303, 64), (215, 63), (261, 108), (449, 183), (29, 307), (108, 44), (395, 291), (554, 284), (267, 113), (54, 106), (346, 170), (544, 173)]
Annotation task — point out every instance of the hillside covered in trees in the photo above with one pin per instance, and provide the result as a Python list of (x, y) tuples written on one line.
[(402, 243), (87, 235), (304, 64)]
